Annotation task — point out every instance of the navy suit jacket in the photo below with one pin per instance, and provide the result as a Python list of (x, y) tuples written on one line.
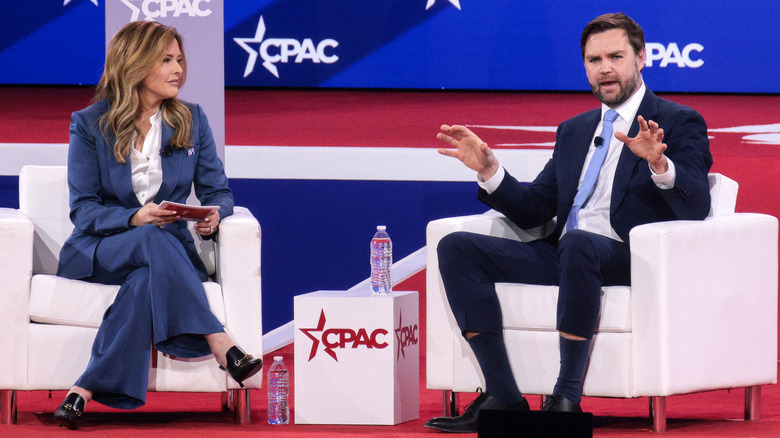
[(635, 198), (102, 200)]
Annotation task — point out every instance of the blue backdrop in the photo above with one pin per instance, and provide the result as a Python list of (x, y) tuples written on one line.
[(452, 44)]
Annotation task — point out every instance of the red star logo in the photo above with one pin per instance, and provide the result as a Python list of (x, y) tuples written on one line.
[(398, 337), (315, 341)]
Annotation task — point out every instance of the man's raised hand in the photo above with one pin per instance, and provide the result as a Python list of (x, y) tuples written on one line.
[(469, 149), (648, 144)]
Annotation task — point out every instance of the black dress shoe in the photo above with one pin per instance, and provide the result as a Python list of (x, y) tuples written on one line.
[(559, 403), (242, 366), (69, 412), (469, 421)]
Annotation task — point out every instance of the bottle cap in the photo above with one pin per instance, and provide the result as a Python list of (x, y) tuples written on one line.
[(278, 358), (381, 227)]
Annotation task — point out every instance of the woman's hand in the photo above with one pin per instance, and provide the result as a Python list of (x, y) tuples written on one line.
[(209, 225), (151, 213)]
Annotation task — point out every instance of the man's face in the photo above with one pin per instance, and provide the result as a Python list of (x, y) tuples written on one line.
[(612, 67)]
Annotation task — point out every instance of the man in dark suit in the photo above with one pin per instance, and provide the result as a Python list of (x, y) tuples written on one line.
[(637, 159)]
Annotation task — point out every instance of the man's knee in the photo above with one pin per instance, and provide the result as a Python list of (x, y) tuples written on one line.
[(453, 247), (576, 245)]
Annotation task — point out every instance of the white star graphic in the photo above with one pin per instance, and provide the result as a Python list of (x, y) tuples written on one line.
[(94, 2), (258, 38), (455, 3), (134, 8)]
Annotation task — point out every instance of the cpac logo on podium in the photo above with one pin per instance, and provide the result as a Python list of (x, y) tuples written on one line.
[(405, 336), (339, 338), (167, 8)]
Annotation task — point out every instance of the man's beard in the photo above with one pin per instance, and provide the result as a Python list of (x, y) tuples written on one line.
[(627, 88)]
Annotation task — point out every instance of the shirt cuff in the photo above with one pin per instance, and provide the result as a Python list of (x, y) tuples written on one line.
[(492, 184), (664, 181)]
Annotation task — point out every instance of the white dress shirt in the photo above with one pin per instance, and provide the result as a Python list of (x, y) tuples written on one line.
[(594, 216), (146, 166)]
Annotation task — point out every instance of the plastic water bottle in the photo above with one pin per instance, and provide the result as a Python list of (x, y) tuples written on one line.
[(278, 393), (381, 262)]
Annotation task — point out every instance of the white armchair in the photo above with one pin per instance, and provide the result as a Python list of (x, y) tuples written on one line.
[(49, 323), (701, 313)]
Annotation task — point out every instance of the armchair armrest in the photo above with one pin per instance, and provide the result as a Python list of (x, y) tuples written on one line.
[(238, 272), (704, 303), (16, 260), (442, 331)]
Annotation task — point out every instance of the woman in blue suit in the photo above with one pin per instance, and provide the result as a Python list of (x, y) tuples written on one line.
[(135, 147)]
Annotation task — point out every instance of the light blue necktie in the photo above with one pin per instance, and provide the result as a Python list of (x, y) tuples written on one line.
[(592, 174)]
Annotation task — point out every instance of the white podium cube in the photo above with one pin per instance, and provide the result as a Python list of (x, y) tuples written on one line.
[(357, 358)]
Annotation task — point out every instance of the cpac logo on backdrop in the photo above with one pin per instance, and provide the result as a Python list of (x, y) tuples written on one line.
[(340, 338), (153, 9), (671, 54), (405, 336), (284, 50)]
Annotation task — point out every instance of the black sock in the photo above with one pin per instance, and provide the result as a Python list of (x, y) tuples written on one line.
[(491, 354), (574, 359)]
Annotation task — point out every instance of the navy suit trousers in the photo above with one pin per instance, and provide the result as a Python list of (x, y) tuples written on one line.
[(161, 301), (580, 264)]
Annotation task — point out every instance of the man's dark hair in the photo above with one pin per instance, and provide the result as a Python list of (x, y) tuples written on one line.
[(603, 23)]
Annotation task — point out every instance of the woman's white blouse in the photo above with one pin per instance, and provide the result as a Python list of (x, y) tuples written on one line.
[(146, 165)]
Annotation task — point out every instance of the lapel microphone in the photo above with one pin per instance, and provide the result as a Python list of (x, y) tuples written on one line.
[(598, 141), (167, 151)]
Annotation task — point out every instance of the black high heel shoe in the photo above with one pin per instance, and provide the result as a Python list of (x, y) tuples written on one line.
[(242, 366), (69, 412)]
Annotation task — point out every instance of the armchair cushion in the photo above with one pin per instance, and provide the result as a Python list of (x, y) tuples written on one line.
[(532, 307), (57, 300)]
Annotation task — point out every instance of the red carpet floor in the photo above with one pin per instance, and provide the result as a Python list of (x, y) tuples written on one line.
[(411, 119), (712, 414)]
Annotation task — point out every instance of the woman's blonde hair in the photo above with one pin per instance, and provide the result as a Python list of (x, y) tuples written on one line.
[(133, 54)]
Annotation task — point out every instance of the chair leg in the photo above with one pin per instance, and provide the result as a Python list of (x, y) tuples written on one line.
[(658, 413), (450, 403), (753, 403), (227, 400), (242, 405), (7, 406), (543, 401)]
